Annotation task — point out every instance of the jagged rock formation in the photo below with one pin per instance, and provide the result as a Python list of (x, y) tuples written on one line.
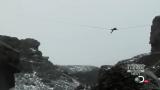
[(38, 73), (9, 59), (31, 59), (117, 77), (155, 35)]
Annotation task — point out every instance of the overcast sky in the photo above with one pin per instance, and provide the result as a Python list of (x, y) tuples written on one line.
[(61, 27)]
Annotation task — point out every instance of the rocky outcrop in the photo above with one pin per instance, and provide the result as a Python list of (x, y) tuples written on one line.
[(117, 77), (155, 35), (38, 73), (9, 60), (31, 61)]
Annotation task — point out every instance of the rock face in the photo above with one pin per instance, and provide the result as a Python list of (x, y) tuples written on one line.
[(38, 73), (155, 35), (31, 59), (117, 77), (9, 59)]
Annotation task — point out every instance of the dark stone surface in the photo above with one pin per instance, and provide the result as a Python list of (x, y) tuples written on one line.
[(32, 60), (155, 35), (9, 60)]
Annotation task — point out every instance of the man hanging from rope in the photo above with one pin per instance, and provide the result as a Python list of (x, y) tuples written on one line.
[(113, 29)]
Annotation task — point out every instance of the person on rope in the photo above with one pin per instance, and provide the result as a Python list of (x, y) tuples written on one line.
[(113, 29)]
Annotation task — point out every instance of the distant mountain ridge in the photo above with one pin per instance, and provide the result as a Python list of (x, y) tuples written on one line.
[(77, 68)]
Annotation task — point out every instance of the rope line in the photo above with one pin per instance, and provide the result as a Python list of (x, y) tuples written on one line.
[(105, 28)]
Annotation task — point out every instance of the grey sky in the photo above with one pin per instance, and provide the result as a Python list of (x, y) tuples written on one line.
[(57, 24)]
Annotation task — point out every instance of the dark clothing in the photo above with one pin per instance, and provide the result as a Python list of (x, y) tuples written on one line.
[(113, 29)]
